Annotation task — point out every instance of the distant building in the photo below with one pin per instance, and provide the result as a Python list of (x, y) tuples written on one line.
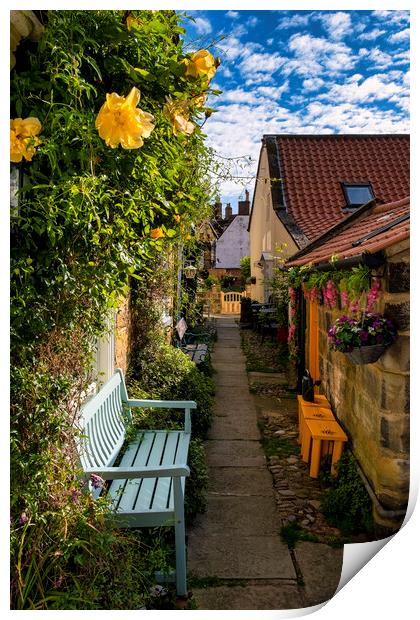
[(233, 243)]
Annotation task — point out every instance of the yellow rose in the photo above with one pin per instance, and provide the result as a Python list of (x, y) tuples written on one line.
[(23, 138), (119, 121), (132, 21), (201, 64), (177, 114), (200, 100), (156, 233)]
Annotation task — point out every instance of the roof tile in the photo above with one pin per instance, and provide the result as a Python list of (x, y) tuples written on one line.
[(314, 167)]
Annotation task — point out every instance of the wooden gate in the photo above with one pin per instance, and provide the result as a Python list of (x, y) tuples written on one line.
[(230, 303)]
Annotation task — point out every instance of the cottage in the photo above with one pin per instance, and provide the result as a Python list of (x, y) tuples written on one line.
[(307, 183), (371, 401)]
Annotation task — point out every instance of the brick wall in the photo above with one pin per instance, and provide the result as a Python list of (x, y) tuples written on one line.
[(372, 401)]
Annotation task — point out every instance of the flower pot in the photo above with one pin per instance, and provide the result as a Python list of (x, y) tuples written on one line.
[(366, 355)]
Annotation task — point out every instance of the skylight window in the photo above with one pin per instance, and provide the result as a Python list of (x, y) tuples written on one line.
[(357, 194)]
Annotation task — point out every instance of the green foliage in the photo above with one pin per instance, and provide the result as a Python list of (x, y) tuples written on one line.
[(197, 481), (81, 235), (165, 372), (245, 264), (278, 446), (346, 504), (293, 532)]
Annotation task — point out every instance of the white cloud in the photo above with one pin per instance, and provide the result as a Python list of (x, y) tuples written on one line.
[(313, 83), (252, 21), (402, 35), (351, 118), (337, 24), (394, 17), (273, 92), (202, 25), (315, 55), (232, 14), (270, 41), (379, 58), (259, 63), (294, 21), (372, 34), (239, 95), (374, 88)]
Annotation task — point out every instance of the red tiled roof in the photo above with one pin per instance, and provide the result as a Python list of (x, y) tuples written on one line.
[(313, 167), (384, 225)]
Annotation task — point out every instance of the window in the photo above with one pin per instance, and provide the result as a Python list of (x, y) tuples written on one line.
[(357, 194)]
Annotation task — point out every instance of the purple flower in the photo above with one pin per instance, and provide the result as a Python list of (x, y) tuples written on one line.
[(364, 336), (23, 519), (97, 481)]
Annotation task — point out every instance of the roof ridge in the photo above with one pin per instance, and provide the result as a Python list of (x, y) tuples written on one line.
[(390, 206), (336, 135)]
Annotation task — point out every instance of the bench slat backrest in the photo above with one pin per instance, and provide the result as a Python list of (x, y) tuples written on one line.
[(103, 422)]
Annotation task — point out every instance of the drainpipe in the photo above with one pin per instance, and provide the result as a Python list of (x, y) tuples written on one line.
[(370, 260), (382, 512)]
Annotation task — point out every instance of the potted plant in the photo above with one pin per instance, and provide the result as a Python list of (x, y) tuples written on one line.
[(363, 340)]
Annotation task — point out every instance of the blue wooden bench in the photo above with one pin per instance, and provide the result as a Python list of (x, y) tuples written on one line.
[(147, 485)]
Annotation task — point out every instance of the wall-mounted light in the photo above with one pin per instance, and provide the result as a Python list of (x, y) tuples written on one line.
[(190, 270)]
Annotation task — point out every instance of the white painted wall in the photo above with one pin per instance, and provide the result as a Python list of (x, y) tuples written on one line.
[(233, 244)]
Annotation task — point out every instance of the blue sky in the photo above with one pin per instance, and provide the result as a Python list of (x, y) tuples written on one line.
[(308, 71)]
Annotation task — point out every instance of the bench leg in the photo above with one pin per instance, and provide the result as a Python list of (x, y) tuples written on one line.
[(180, 553)]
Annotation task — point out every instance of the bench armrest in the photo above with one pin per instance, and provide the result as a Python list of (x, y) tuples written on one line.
[(167, 404), (163, 404), (117, 473)]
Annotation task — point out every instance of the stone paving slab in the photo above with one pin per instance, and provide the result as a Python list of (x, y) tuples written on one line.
[(321, 566), (239, 557), (232, 453), (240, 481), (272, 378), (239, 427), (235, 516), (251, 596)]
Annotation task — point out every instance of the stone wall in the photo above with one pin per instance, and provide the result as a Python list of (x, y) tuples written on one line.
[(372, 401)]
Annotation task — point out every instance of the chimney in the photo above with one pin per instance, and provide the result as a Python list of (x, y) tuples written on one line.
[(228, 211), (243, 205), (218, 209)]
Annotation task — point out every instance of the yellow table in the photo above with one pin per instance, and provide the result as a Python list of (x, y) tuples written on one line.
[(320, 401), (311, 413), (320, 431)]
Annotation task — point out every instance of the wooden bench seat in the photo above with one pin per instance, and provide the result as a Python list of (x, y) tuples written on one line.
[(147, 485)]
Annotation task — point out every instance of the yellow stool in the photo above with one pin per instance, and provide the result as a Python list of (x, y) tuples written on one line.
[(320, 401), (319, 432), (311, 413)]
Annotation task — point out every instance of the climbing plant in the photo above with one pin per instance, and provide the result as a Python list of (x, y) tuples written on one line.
[(105, 128)]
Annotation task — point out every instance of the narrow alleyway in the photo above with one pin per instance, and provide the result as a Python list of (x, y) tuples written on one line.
[(236, 559)]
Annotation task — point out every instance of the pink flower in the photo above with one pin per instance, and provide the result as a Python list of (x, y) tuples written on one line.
[(329, 292), (373, 295), (354, 306), (345, 299), (292, 331)]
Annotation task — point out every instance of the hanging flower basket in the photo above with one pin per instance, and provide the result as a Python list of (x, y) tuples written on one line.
[(366, 355), (363, 340)]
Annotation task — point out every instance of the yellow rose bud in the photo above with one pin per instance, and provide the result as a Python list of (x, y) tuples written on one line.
[(156, 233), (177, 218)]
